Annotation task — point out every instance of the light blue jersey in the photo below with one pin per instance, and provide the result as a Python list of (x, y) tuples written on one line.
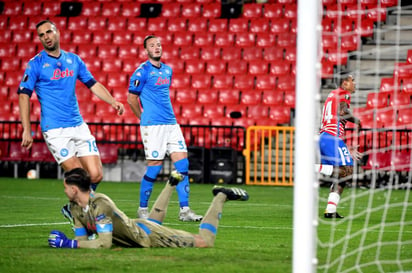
[(54, 80), (152, 85)]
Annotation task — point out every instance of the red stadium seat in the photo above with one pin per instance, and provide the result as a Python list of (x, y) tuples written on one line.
[(280, 68), (388, 3), (170, 53), (258, 67), (13, 78), (290, 11), (273, 54), (82, 36), (228, 96), (237, 67), (209, 53), (265, 82), (402, 70), (377, 14), (405, 118), (77, 23), (244, 82), (12, 8), (214, 112), (377, 161), (91, 8), (189, 53), (191, 10), (107, 51), (108, 153), (399, 99), (223, 81), (252, 54), (290, 54), (116, 23), (237, 108), (286, 40), (203, 39), (130, 9), (197, 25), (349, 42), (171, 10), (265, 40), (280, 114), (290, 98), (207, 96), (185, 96), (273, 11), (286, 83), (136, 24), (157, 24), (32, 8), (250, 97), (180, 81), (111, 9), (245, 39), (191, 110), (218, 25), (329, 41), (257, 112), (201, 81), (406, 86), (239, 25), (387, 116), (25, 51), (377, 100), (326, 69), (215, 67), (21, 36), (10, 64), (177, 65), (198, 67), (231, 53), (365, 28), (128, 52), (40, 152), (224, 39), (177, 25), (343, 26), (97, 23), (117, 80), (182, 39), (280, 25), (252, 10), (211, 10), (112, 65), (102, 37), (272, 98), (20, 23), (261, 25)]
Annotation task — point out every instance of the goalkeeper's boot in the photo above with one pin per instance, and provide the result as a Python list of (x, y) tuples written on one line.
[(188, 215), (67, 214), (231, 193), (332, 215), (175, 178)]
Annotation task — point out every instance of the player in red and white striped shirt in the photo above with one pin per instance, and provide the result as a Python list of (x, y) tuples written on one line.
[(335, 155)]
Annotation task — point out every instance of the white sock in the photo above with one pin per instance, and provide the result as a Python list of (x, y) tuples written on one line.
[(184, 209), (324, 169), (333, 201)]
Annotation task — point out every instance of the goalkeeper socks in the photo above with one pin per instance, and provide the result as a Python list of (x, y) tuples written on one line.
[(159, 209), (146, 186), (208, 226), (183, 188), (333, 202), (93, 186)]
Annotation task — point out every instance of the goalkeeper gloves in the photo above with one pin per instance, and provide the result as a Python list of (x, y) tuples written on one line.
[(59, 240)]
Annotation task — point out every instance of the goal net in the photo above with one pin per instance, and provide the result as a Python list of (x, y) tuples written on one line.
[(373, 41)]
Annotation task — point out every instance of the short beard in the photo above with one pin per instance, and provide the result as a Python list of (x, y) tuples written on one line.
[(156, 59)]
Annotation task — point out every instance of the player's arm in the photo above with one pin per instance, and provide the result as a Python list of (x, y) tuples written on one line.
[(102, 93), (104, 236), (24, 108), (134, 103), (346, 114)]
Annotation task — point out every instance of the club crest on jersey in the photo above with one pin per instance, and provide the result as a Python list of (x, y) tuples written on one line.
[(161, 81), (58, 74)]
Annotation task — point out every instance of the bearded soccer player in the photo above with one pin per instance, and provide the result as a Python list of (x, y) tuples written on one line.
[(96, 214), (335, 155), (149, 100), (53, 73)]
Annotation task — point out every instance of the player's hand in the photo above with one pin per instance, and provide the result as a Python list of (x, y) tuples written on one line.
[(27, 139), (355, 153), (119, 107), (58, 239)]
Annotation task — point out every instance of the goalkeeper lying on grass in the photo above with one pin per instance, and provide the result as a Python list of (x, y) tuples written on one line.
[(96, 214)]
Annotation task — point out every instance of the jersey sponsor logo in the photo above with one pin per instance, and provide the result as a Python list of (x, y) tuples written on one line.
[(64, 152), (161, 81), (58, 74)]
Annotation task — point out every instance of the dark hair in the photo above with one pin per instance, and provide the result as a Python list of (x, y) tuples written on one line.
[(78, 177), (147, 38), (44, 22), (344, 76)]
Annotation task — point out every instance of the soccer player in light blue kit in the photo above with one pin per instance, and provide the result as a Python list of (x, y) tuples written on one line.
[(161, 135), (53, 74)]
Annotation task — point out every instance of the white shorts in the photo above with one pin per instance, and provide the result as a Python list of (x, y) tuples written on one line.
[(159, 140), (65, 143)]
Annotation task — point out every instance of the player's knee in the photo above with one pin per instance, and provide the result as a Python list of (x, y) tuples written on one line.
[(96, 176), (182, 166), (345, 171)]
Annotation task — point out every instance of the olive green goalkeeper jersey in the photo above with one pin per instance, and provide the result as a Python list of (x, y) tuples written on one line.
[(111, 226)]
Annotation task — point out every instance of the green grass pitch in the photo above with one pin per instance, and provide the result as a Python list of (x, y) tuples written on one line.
[(253, 236)]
